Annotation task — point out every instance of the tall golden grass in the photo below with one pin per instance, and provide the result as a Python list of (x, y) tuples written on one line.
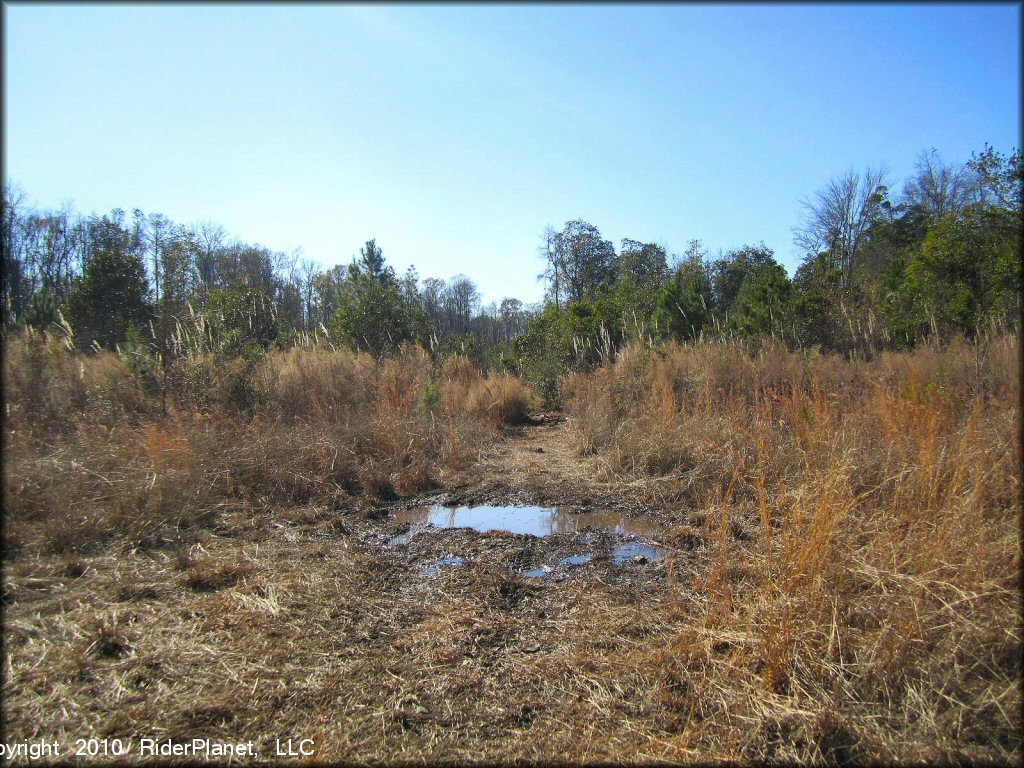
[(89, 454), (863, 521)]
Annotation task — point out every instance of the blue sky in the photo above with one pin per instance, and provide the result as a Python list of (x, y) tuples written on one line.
[(454, 134)]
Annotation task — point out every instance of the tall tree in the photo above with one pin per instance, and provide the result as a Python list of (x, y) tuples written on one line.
[(461, 301), (588, 260), (552, 255), (371, 262), (309, 270), (372, 313), (938, 188), (513, 319), (1000, 179), (646, 264), (763, 305), (967, 272), (154, 234), (681, 308), (108, 298), (730, 272), (838, 217), (209, 238), (433, 301), (11, 241)]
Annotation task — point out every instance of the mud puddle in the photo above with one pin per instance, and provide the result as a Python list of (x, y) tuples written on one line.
[(630, 552), (637, 552), (451, 560), (560, 541), (523, 520)]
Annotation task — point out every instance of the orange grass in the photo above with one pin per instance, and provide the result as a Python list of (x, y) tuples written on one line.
[(875, 513)]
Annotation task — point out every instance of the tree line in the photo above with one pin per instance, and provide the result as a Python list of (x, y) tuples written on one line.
[(881, 269), (139, 278)]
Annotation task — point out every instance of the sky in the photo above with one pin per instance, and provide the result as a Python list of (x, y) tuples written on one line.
[(455, 134)]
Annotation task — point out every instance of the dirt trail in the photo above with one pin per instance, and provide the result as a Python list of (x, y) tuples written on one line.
[(378, 651), (540, 463), (536, 463)]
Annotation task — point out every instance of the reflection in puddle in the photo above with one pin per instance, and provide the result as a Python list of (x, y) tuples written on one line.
[(623, 553), (403, 539), (544, 570), (534, 521), (430, 570), (575, 560)]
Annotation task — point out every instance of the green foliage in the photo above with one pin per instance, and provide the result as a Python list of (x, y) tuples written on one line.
[(108, 297), (942, 258), (643, 264), (545, 351), (763, 304), (1001, 178), (818, 284), (42, 310), (581, 263), (966, 273), (141, 359), (430, 398), (729, 273), (634, 303), (681, 308), (242, 321), (371, 263), (464, 344), (243, 388), (374, 317)]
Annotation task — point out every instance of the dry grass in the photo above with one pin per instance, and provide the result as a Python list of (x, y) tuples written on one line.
[(873, 510), (88, 456), (501, 399), (845, 583)]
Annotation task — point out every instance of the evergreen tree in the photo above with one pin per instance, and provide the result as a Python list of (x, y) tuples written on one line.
[(681, 310), (109, 296)]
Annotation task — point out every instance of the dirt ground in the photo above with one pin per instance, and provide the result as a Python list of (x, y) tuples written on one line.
[(314, 624)]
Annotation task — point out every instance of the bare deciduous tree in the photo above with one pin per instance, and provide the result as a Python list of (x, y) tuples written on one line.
[(938, 188), (462, 301), (837, 219), (309, 269), (552, 256), (210, 238)]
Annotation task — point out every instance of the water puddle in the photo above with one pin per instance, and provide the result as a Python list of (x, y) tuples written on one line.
[(575, 559), (533, 521), (538, 573), (637, 551), (403, 539), (430, 570), (544, 570), (537, 521)]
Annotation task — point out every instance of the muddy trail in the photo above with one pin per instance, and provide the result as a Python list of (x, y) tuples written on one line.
[(530, 505), (536, 463), (519, 612), (539, 463)]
